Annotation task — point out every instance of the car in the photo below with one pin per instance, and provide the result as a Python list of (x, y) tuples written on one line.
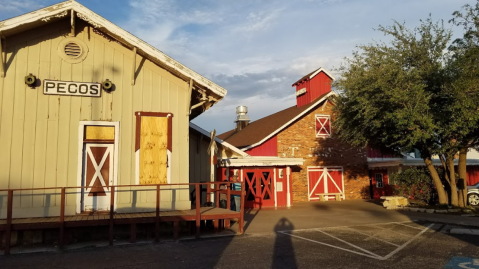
[(473, 194)]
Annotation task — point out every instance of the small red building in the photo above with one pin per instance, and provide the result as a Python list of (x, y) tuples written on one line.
[(329, 166), (383, 164)]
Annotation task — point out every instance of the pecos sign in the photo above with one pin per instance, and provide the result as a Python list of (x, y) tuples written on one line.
[(72, 88)]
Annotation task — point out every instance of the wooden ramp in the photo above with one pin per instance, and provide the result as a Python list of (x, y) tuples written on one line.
[(111, 218)]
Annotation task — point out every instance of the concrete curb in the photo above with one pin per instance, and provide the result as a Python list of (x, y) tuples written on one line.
[(464, 231)]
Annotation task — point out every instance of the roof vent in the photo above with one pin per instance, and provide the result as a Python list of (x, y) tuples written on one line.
[(242, 120), (73, 50)]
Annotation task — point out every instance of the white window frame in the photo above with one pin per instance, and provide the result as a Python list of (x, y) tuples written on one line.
[(377, 182), (316, 120)]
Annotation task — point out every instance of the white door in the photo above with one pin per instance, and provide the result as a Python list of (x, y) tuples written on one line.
[(97, 176)]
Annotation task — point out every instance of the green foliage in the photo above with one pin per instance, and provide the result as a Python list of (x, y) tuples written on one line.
[(386, 89), (413, 183)]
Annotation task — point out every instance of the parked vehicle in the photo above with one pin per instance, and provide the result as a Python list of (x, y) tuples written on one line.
[(473, 194)]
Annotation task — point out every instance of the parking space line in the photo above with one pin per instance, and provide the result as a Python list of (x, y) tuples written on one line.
[(345, 249), (409, 226), (365, 252), (352, 245), (374, 236), (407, 243)]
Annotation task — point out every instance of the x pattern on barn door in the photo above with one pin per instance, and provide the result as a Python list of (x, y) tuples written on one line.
[(259, 188), (323, 126), (323, 180)]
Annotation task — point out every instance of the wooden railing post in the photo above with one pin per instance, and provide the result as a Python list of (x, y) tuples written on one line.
[(8, 232), (112, 209), (242, 197), (62, 218), (198, 207), (217, 199), (208, 191), (157, 219), (228, 203)]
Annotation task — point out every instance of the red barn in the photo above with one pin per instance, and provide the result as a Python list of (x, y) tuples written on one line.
[(329, 167)]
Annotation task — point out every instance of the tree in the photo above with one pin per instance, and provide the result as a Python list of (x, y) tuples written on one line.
[(387, 91), (464, 71)]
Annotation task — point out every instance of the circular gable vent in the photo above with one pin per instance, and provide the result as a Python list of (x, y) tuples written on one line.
[(73, 50)]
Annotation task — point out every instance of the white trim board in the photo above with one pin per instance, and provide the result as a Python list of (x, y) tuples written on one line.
[(321, 70), (42, 16), (290, 122)]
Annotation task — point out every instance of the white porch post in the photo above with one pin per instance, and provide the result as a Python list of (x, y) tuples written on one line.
[(288, 194)]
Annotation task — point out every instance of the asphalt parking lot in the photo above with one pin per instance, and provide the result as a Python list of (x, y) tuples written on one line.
[(346, 234), (380, 245)]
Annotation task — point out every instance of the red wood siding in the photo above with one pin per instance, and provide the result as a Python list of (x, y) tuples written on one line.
[(386, 190), (317, 86), (472, 174), (268, 148), (375, 153)]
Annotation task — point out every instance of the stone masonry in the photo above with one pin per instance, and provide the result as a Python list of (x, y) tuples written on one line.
[(299, 140)]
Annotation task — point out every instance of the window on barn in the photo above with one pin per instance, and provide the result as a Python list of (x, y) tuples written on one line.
[(323, 126), (379, 180)]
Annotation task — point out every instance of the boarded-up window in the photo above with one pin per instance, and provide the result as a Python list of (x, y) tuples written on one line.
[(153, 145), (323, 126)]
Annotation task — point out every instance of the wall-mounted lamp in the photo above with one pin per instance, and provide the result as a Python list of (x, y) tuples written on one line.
[(107, 85), (30, 80)]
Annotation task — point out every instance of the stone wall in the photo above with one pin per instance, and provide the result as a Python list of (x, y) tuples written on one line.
[(299, 140)]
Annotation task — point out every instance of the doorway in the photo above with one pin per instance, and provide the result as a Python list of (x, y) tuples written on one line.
[(259, 188), (98, 161)]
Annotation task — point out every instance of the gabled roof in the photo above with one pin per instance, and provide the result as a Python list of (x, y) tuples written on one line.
[(313, 74), (259, 131), (42, 16)]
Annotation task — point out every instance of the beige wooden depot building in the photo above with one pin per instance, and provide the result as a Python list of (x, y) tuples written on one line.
[(85, 103)]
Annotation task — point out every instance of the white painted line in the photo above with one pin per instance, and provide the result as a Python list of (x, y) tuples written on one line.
[(321, 243), (352, 245), (407, 243), (333, 227), (409, 226), (374, 237), (371, 254)]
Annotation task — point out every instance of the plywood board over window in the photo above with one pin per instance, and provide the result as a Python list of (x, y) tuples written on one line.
[(153, 147)]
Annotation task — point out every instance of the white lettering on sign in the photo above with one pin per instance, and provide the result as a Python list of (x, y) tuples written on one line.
[(71, 88)]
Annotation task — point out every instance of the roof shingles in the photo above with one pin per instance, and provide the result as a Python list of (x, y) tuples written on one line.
[(260, 129)]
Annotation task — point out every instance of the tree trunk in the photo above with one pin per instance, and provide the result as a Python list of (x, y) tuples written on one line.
[(437, 181), (452, 182), (461, 183)]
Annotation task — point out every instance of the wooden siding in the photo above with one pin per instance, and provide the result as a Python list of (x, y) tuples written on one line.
[(315, 87), (268, 148), (39, 133)]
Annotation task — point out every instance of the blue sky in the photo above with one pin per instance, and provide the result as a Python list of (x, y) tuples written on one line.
[(255, 49)]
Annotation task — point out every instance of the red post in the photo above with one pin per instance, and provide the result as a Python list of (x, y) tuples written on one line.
[(112, 209), (241, 220), (208, 191), (157, 219), (228, 203), (228, 196), (62, 218), (198, 206), (217, 199), (8, 233)]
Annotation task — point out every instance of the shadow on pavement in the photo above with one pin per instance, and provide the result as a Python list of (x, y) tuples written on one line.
[(283, 254)]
